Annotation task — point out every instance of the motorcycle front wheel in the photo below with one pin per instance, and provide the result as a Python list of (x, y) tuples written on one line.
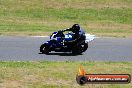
[(44, 49)]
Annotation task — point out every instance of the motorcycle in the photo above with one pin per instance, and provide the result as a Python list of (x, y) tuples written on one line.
[(57, 44)]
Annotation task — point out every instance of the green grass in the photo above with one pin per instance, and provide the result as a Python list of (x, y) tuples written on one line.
[(46, 74), (95, 16)]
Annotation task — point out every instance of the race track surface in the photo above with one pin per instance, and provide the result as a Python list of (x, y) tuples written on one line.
[(101, 49)]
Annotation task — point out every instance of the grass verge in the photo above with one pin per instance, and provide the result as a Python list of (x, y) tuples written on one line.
[(46, 74), (34, 17)]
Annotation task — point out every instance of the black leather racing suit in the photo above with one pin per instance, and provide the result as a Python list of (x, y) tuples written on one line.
[(78, 38)]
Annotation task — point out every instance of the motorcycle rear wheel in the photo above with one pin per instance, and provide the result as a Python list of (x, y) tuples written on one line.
[(77, 50), (80, 49), (85, 47)]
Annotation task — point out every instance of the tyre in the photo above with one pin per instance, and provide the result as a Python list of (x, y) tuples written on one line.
[(85, 47), (44, 49), (77, 50), (80, 49)]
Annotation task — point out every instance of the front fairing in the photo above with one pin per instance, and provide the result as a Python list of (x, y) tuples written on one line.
[(69, 37), (47, 43), (58, 36)]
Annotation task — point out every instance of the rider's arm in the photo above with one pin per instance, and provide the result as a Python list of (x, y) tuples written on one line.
[(68, 29), (77, 38)]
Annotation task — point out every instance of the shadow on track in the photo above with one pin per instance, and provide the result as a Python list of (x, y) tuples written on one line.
[(62, 54)]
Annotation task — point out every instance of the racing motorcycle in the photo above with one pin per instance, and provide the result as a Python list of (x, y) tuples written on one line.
[(57, 44)]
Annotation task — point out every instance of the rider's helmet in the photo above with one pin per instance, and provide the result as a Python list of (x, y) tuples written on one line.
[(75, 28)]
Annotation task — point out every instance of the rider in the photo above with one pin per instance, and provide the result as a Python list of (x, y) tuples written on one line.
[(78, 35)]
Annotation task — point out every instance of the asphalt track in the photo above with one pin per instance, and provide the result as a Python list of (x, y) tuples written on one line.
[(14, 48)]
